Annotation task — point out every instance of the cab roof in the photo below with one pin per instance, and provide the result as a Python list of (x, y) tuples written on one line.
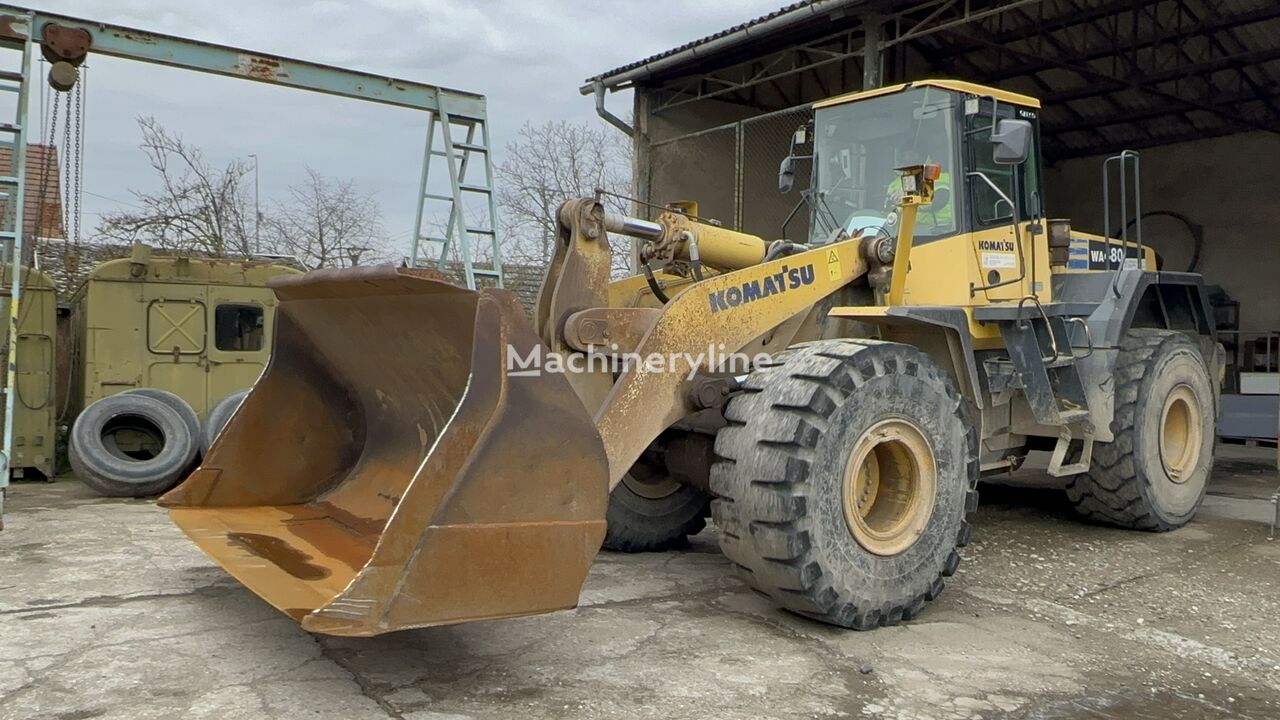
[(958, 85), (190, 269)]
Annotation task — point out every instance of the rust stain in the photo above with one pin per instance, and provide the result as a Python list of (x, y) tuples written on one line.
[(279, 553), (261, 68), (9, 25), (137, 36)]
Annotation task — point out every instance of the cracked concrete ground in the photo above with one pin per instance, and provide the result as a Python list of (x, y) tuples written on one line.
[(107, 611)]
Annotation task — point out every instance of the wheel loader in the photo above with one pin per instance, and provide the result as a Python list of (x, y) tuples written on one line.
[(418, 454)]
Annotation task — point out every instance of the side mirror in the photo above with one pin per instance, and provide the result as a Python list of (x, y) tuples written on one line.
[(786, 174), (1011, 142)]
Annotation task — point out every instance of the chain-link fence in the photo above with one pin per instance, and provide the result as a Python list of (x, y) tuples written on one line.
[(732, 171), (763, 209), (701, 166)]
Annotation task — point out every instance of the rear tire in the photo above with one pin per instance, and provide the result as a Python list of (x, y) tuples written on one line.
[(1154, 474), (650, 512), (99, 462), (846, 472)]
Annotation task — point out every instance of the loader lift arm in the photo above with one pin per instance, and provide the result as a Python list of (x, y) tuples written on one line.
[(721, 313)]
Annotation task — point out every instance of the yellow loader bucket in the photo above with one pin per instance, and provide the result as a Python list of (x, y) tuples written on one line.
[(386, 473)]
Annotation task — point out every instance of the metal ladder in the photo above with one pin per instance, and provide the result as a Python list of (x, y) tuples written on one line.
[(13, 191), (457, 156)]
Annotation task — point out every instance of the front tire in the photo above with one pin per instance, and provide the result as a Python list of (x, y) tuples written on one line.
[(1154, 474), (844, 478), (650, 512)]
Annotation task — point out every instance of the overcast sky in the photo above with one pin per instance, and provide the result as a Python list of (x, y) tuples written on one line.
[(528, 56)]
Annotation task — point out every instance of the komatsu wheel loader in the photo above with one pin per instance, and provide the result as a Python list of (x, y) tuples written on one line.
[(412, 457)]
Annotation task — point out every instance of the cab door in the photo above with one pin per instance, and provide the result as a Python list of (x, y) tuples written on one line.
[(241, 319), (1012, 264)]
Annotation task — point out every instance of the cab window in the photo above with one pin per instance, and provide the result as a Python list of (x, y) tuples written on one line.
[(239, 327), (859, 147)]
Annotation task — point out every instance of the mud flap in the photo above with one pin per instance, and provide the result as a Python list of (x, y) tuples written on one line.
[(386, 473)]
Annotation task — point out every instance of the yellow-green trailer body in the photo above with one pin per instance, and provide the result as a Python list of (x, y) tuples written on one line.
[(198, 327)]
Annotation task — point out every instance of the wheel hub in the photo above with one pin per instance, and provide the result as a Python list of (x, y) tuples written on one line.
[(1181, 434), (889, 486), (650, 486)]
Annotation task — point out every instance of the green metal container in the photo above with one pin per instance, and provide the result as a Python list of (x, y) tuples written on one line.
[(35, 410)]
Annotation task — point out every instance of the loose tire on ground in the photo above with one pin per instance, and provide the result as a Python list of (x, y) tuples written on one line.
[(1153, 476), (650, 512), (217, 418), (179, 405), (97, 458), (824, 498)]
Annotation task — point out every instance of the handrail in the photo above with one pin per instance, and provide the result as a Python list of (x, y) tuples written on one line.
[(1088, 337), (1017, 235), (1053, 340), (1123, 160)]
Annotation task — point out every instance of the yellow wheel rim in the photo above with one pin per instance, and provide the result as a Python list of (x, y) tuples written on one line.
[(1181, 434), (889, 486)]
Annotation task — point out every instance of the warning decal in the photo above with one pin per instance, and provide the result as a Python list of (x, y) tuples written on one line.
[(833, 265)]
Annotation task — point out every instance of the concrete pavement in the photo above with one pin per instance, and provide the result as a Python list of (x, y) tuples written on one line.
[(107, 611)]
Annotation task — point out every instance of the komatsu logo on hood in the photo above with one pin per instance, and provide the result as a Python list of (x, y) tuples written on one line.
[(788, 278)]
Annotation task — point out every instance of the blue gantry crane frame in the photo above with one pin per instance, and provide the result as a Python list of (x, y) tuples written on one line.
[(467, 159)]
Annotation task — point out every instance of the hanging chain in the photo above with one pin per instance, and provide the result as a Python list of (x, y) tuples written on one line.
[(66, 172), (79, 159), (50, 152)]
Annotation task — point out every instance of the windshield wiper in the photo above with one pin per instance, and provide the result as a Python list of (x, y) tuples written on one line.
[(833, 223)]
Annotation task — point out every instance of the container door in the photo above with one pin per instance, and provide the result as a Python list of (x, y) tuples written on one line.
[(241, 318), (177, 340)]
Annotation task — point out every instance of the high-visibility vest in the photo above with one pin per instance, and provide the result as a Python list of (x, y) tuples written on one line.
[(932, 217)]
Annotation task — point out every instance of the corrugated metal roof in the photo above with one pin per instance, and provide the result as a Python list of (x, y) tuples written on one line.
[(754, 23), (1111, 75)]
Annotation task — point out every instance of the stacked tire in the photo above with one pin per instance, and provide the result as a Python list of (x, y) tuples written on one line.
[(137, 443), (217, 419), (143, 441)]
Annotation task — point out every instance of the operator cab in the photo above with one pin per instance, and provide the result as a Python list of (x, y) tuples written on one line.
[(986, 143)]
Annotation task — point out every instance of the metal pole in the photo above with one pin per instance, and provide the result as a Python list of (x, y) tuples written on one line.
[(872, 26), (15, 266), (257, 211)]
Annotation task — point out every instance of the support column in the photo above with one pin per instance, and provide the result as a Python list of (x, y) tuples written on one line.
[(873, 27), (640, 166)]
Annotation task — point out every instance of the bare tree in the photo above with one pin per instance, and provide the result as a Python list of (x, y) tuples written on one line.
[(198, 207), (546, 165), (328, 223)]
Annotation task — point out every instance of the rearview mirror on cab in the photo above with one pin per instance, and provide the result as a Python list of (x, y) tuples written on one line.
[(787, 174), (1011, 142)]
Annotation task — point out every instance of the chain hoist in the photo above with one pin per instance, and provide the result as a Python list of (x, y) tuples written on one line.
[(66, 49)]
